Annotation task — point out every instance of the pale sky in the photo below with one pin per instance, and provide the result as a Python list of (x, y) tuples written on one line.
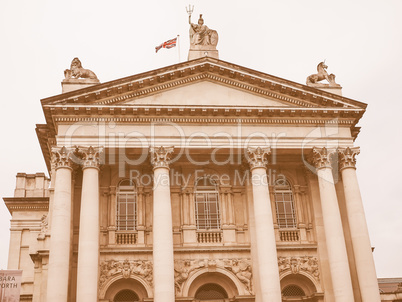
[(360, 40)]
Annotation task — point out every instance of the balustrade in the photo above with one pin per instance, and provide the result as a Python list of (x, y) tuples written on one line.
[(289, 235), (126, 238), (209, 237)]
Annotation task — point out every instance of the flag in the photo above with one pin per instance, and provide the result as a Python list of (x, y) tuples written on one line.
[(168, 44)]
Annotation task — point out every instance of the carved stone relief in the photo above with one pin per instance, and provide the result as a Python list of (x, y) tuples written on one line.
[(126, 268), (240, 267), (307, 264), (43, 227)]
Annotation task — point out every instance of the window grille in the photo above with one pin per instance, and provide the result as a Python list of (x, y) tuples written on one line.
[(211, 291), (126, 206), (285, 210), (293, 291), (126, 295), (207, 211)]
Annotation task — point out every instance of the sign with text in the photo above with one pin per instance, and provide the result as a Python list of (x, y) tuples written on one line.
[(10, 285)]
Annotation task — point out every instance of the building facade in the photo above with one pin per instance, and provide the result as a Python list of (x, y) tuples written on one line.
[(203, 180)]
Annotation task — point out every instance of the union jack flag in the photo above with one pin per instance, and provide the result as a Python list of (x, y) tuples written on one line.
[(168, 44)]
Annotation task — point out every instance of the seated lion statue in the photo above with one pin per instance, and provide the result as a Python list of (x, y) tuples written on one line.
[(77, 71)]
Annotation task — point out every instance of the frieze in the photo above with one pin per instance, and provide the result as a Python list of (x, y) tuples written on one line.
[(241, 268), (126, 269), (295, 265)]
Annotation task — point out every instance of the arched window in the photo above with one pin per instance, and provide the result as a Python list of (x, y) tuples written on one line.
[(211, 291), (207, 212), (293, 291), (126, 295), (126, 206), (285, 210)]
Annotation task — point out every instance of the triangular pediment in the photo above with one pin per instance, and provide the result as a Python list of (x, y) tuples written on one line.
[(204, 82), (206, 93)]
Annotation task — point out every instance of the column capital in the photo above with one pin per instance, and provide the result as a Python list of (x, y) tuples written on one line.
[(62, 157), (160, 156), (90, 156), (257, 157), (347, 157), (322, 157)]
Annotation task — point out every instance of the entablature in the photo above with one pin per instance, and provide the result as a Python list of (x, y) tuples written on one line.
[(26, 204)]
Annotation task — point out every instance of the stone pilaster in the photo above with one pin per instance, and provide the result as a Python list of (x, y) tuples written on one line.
[(88, 245), (60, 242), (337, 254), (164, 288), (189, 228), (112, 215), (264, 227), (365, 267)]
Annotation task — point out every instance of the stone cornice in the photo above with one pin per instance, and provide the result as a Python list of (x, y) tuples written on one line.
[(209, 120), (26, 203), (188, 111)]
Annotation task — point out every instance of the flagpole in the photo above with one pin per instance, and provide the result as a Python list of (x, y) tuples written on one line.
[(178, 45)]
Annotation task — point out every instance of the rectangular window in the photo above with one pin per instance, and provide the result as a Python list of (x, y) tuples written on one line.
[(207, 210)]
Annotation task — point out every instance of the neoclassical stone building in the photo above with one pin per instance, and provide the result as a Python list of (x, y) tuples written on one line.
[(203, 180)]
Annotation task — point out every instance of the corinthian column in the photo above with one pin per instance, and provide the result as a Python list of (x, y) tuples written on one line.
[(164, 290), (60, 240), (337, 254), (264, 227), (88, 245), (365, 267)]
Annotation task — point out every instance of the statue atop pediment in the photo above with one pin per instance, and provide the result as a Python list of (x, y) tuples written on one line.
[(78, 77), (321, 75), (77, 71), (203, 40), (200, 34)]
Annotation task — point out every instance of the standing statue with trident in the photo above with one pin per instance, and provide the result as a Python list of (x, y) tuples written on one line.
[(200, 34)]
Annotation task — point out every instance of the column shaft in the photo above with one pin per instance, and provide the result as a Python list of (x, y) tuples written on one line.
[(337, 254), (365, 267), (88, 246), (265, 235), (164, 287), (59, 258), (264, 228), (164, 290)]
